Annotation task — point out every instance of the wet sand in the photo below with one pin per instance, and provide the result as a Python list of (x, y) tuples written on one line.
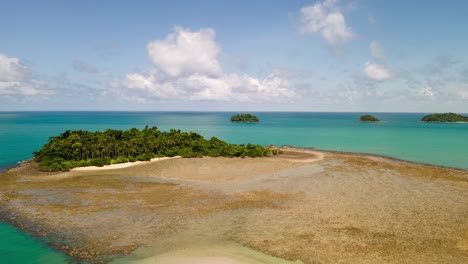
[(299, 207)]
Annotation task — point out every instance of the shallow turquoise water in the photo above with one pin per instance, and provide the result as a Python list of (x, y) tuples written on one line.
[(18, 247), (400, 136)]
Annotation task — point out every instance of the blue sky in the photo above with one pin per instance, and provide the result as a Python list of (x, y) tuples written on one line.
[(330, 55)]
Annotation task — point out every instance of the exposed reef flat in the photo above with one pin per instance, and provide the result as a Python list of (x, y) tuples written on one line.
[(304, 206)]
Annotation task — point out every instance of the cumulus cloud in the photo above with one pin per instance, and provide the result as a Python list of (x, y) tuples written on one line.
[(377, 72), (377, 50), (147, 86), (232, 87), (187, 68), (154, 86), (11, 69), (186, 52), (14, 81), (325, 19)]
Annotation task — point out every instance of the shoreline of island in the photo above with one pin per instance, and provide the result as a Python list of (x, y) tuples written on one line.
[(284, 147), (123, 165), (366, 154)]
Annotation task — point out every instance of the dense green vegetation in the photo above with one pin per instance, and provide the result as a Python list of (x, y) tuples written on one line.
[(83, 148), (447, 117), (244, 118), (368, 118)]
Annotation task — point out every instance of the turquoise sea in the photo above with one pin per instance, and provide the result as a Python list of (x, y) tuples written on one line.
[(400, 135)]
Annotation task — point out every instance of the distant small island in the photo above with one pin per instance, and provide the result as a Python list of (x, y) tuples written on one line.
[(247, 118), (445, 118), (368, 118)]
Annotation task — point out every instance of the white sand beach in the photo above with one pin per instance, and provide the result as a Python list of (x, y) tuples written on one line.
[(121, 165)]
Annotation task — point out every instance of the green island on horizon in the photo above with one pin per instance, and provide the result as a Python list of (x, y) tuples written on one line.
[(368, 118), (245, 118), (445, 118)]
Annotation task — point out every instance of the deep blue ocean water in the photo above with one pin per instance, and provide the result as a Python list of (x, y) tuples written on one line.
[(400, 135)]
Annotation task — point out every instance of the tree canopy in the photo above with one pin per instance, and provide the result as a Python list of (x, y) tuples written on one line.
[(368, 118), (83, 148), (447, 117), (244, 118)]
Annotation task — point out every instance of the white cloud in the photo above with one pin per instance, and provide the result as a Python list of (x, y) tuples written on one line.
[(11, 69), (193, 72), (14, 81), (185, 52), (232, 87), (377, 50), (426, 92), (147, 85), (152, 86), (377, 72), (326, 19)]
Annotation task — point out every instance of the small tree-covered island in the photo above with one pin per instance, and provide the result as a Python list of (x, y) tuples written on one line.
[(247, 118), (445, 118), (368, 118), (83, 148)]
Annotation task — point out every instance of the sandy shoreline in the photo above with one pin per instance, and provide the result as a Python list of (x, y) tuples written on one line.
[(121, 165), (304, 205), (317, 155)]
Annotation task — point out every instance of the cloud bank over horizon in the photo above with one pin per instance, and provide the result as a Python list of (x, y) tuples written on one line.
[(186, 67), (15, 81)]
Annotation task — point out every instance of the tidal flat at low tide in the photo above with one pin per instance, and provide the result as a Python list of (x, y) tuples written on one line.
[(296, 207)]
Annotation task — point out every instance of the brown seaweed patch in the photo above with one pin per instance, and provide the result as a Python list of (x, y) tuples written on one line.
[(254, 199)]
